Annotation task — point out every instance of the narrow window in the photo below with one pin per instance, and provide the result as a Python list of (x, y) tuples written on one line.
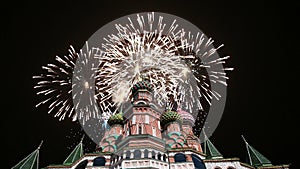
[(153, 154), (140, 129), (158, 124), (153, 131), (137, 154), (133, 119), (147, 119), (128, 154), (146, 154)]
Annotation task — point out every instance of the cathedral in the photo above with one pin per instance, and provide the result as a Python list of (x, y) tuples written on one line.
[(147, 137)]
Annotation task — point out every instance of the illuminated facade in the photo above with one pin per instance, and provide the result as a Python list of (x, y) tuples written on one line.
[(147, 137)]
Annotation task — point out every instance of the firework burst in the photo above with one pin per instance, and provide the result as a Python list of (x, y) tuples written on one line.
[(83, 88), (171, 59), (55, 84), (145, 51), (66, 92), (181, 66)]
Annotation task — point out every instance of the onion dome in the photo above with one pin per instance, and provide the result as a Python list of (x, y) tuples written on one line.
[(186, 116), (144, 84), (170, 116), (116, 119)]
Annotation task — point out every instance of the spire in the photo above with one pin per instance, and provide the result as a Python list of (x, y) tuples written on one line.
[(75, 154), (31, 161), (210, 150), (256, 159)]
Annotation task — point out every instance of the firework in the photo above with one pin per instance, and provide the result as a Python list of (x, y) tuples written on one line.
[(145, 51), (180, 65), (55, 85), (66, 92), (208, 71), (83, 88)]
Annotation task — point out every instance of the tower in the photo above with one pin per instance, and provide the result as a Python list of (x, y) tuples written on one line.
[(142, 137), (188, 122), (143, 118), (113, 135), (172, 127)]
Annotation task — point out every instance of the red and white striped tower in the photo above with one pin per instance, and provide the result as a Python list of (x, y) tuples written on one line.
[(142, 129)]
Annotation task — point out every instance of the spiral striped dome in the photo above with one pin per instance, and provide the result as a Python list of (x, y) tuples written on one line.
[(186, 116)]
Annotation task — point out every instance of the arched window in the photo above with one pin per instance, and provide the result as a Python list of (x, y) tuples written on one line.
[(217, 168), (159, 156), (198, 163), (141, 102), (128, 154), (164, 158), (230, 168), (99, 161), (146, 152), (153, 154), (116, 158), (179, 158), (82, 164), (137, 154)]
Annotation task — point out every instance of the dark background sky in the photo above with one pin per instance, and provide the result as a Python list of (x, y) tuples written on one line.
[(261, 102)]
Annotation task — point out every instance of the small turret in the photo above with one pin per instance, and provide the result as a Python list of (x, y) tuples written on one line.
[(142, 91)]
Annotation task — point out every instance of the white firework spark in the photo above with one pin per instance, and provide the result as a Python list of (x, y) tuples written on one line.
[(203, 65), (181, 67), (147, 50), (67, 91), (56, 85), (171, 59), (83, 88)]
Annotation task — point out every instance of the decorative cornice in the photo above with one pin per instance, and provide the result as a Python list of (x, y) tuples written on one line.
[(221, 160)]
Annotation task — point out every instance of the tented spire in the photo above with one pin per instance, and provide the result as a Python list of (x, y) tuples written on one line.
[(75, 154), (256, 159), (31, 161), (209, 149)]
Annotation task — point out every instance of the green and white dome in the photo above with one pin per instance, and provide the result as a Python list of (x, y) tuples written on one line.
[(116, 119)]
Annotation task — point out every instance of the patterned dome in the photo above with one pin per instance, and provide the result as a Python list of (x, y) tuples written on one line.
[(169, 116), (144, 84), (116, 119), (186, 116)]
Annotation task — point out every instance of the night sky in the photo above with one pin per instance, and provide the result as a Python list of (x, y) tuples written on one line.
[(260, 96)]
